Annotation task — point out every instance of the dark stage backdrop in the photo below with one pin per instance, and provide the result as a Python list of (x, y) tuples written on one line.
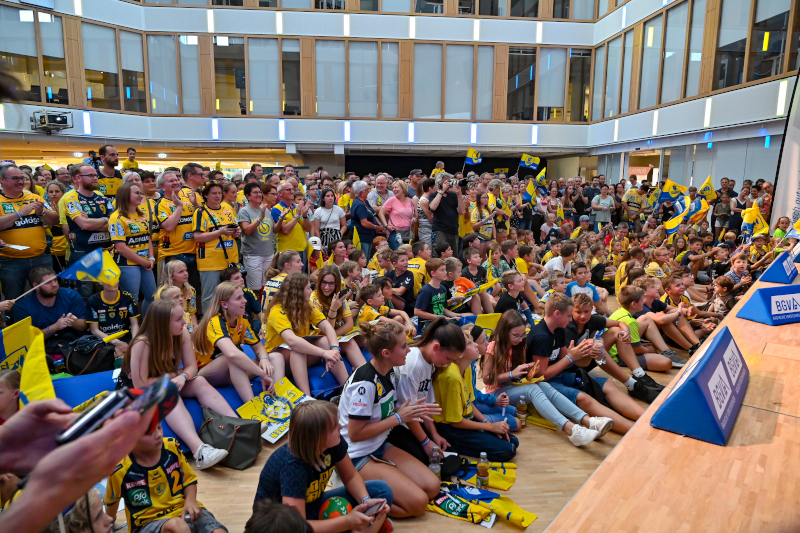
[(399, 166)]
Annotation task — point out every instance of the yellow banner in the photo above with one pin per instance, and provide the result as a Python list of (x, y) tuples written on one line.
[(274, 409)]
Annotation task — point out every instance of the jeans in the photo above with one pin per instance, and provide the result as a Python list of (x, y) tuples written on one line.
[(525, 224), (209, 280), (395, 240), (366, 247), (256, 265), (596, 225), (495, 414), (14, 273), (449, 238), (134, 278), (474, 441), (191, 266), (549, 403), (377, 489)]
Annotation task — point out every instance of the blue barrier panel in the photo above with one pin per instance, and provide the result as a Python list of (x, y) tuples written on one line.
[(773, 306), (705, 401), (782, 270)]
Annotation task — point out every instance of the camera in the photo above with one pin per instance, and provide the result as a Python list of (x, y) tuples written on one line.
[(459, 183)]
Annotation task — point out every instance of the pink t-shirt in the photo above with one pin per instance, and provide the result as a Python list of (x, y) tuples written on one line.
[(491, 388), (400, 213)]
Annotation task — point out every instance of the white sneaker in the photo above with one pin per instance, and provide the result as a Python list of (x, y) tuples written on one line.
[(582, 436), (207, 456), (601, 424)]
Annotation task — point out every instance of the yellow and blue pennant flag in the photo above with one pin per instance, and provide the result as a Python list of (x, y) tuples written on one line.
[(697, 210), (707, 190), (529, 161), (94, 266), (473, 157), (541, 182), (530, 192), (753, 223), (22, 348), (671, 191)]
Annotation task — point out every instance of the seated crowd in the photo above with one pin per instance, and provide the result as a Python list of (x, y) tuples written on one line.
[(581, 280)]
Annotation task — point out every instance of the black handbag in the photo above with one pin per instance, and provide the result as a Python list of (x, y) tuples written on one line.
[(585, 383), (239, 266), (240, 436), (89, 355)]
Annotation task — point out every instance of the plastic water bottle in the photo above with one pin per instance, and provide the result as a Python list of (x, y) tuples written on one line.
[(599, 346), (483, 472), (435, 465), (522, 411)]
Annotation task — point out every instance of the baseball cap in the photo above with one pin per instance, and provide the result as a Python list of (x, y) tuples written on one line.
[(315, 243), (584, 218), (415, 171)]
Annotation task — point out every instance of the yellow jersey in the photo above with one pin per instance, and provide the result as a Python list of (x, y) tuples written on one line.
[(218, 328), (421, 276), (295, 239), (314, 300), (368, 313), (25, 231), (270, 288), (109, 186), (134, 232), (130, 164), (181, 239), (487, 223), (278, 322), (210, 255)]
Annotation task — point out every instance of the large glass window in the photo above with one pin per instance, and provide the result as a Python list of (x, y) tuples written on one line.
[(602, 8), (427, 80), (648, 88), (18, 50), (290, 74), (161, 61), (552, 84), (368, 5), (627, 65), (190, 74), (492, 8), (583, 9), (794, 42), (733, 30), (264, 77), (330, 78), (597, 83), (580, 74), (53, 62), (390, 79), (768, 40), (695, 48), (363, 78), (484, 90), (296, 4), (429, 6), (134, 95), (459, 67), (267, 3), (100, 66), (524, 8), (466, 7), (521, 83), (330, 4), (561, 9), (613, 65), (674, 47), (229, 75), (396, 6)]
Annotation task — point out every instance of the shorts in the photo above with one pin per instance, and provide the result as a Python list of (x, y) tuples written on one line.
[(484, 239), (719, 224), (640, 358), (359, 462), (565, 383), (205, 524)]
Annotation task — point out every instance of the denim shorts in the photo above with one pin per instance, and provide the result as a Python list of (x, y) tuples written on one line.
[(565, 384), (359, 462)]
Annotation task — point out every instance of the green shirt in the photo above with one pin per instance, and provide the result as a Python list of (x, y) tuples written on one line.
[(621, 315)]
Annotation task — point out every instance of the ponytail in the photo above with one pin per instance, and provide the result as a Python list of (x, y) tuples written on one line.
[(279, 262), (381, 336)]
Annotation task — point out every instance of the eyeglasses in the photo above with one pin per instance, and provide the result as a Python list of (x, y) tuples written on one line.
[(88, 175), (327, 283), (517, 336), (15, 178)]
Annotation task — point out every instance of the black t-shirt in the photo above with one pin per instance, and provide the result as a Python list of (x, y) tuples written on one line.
[(666, 212), (286, 475), (579, 205), (478, 279), (406, 279), (596, 323), (507, 302), (657, 306), (541, 342), (685, 259), (590, 193), (113, 317), (431, 300), (445, 217)]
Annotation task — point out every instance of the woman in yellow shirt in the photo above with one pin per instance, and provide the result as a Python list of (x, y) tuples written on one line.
[(482, 221), (326, 298), (55, 190), (130, 235), (289, 321), (217, 342)]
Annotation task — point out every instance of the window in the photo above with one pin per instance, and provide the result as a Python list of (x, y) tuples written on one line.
[(695, 48), (524, 8), (290, 74), (492, 8), (330, 4), (466, 7), (484, 90), (194, 2), (768, 39), (613, 65), (733, 29), (330, 78), (18, 50), (429, 6), (190, 74), (597, 84), (794, 42), (226, 2), (602, 8), (133, 91), (363, 79), (521, 83), (100, 66), (552, 84), (53, 62), (229, 75), (396, 6), (297, 4), (674, 47), (427, 81), (651, 55), (368, 5), (264, 77), (390, 79), (583, 9), (267, 3), (161, 62), (459, 70), (580, 74), (560, 9), (627, 65)]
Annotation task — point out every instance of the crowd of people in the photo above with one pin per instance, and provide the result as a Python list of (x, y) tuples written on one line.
[(583, 279)]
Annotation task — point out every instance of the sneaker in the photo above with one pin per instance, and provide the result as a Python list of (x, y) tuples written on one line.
[(643, 392), (207, 456), (601, 424), (693, 349), (650, 383), (582, 436), (387, 526), (677, 360)]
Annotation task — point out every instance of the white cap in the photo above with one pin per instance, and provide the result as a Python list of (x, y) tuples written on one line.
[(315, 243)]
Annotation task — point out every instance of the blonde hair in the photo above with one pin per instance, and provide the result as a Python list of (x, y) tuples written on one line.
[(222, 293), (166, 276), (79, 518), (155, 333), (309, 426)]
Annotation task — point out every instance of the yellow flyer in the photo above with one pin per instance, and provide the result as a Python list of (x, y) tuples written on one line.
[(274, 409)]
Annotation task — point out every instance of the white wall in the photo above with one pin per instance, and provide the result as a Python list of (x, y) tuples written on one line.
[(566, 167)]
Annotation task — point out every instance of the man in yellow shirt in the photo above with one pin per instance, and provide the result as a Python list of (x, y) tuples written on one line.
[(291, 222), (109, 177), (22, 219), (131, 161)]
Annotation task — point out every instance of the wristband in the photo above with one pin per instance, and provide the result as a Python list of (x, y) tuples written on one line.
[(425, 442), (511, 375), (365, 498), (337, 348), (399, 419), (185, 374), (20, 216), (570, 359), (47, 330)]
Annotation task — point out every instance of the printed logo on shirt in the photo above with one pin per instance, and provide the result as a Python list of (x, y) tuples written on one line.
[(8, 209), (140, 498)]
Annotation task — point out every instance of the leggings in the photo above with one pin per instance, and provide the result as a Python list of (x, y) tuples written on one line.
[(549, 403)]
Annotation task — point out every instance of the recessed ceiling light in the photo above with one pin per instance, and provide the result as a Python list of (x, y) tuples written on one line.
[(77, 154), (162, 156)]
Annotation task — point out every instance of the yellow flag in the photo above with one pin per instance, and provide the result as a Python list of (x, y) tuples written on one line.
[(218, 166), (356, 239), (707, 190), (48, 167), (36, 383)]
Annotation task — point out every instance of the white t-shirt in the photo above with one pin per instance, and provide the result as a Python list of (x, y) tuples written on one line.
[(329, 218), (557, 264), (414, 376), (369, 396)]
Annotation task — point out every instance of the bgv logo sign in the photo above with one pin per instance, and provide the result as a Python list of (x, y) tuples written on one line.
[(786, 303)]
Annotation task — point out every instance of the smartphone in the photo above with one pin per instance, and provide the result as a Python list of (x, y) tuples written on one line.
[(343, 293), (232, 226), (372, 511)]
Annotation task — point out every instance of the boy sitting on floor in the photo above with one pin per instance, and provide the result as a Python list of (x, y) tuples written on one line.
[(581, 285)]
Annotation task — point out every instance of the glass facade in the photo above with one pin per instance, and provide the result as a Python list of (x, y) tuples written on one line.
[(459, 75), (674, 48), (133, 90), (613, 66), (161, 54), (363, 78), (731, 44), (768, 39), (484, 84), (390, 80), (552, 84), (264, 76), (627, 65), (330, 78), (695, 55), (580, 75), (54, 64), (290, 76), (427, 80), (597, 82), (100, 66), (520, 102), (651, 54), (229, 76), (190, 74)]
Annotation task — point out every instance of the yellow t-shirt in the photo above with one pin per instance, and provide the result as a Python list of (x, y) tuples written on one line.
[(59, 246), (368, 314), (241, 199), (314, 299), (619, 275), (486, 228), (181, 239), (219, 328), (295, 239), (614, 259), (135, 232), (210, 255), (634, 199), (373, 264), (547, 257), (278, 322), (522, 266), (130, 164), (26, 232), (454, 394), (417, 268), (654, 270), (755, 255)]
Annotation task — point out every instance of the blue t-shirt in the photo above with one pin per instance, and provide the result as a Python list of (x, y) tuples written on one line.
[(432, 300), (67, 301), (573, 288), (359, 212), (406, 279)]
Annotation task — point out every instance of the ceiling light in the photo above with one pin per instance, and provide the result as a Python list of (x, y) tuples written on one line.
[(77, 154), (162, 155)]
